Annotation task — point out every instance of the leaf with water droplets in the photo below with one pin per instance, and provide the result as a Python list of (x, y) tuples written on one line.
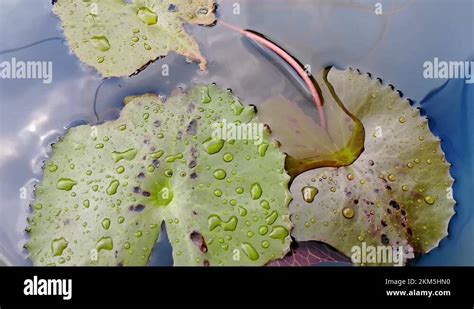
[(397, 193), (118, 38), (223, 201)]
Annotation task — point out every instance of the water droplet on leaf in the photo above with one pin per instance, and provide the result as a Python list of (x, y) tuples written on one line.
[(58, 246), (262, 149), (279, 232), (429, 200), (309, 193), (228, 157), (128, 155), (105, 243), (250, 251), (100, 42), (112, 188), (147, 16), (106, 223), (212, 146), (348, 212), (255, 191), (65, 184), (219, 174)]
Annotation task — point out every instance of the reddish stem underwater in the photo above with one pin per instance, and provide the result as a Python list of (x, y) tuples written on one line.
[(291, 61)]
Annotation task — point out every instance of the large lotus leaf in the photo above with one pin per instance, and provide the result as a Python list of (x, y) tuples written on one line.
[(397, 193), (307, 144), (118, 38), (107, 188)]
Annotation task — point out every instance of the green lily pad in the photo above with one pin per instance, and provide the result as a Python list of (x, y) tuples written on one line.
[(119, 38), (307, 144), (107, 188), (397, 193)]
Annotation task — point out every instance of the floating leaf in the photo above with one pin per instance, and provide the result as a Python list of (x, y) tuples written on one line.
[(311, 253), (107, 188), (119, 38), (397, 193), (307, 144)]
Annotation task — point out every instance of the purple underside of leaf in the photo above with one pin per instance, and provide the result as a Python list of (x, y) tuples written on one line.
[(310, 253)]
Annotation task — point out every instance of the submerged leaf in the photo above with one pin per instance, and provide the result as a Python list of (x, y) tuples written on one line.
[(107, 188), (397, 193), (119, 38), (307, 144), (311, 253)]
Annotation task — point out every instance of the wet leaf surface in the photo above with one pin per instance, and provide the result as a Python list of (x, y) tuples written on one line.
[(397, 193), (107, 188), (119, 38)]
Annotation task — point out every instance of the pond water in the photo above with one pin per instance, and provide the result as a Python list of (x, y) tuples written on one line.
[(344, 33)]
